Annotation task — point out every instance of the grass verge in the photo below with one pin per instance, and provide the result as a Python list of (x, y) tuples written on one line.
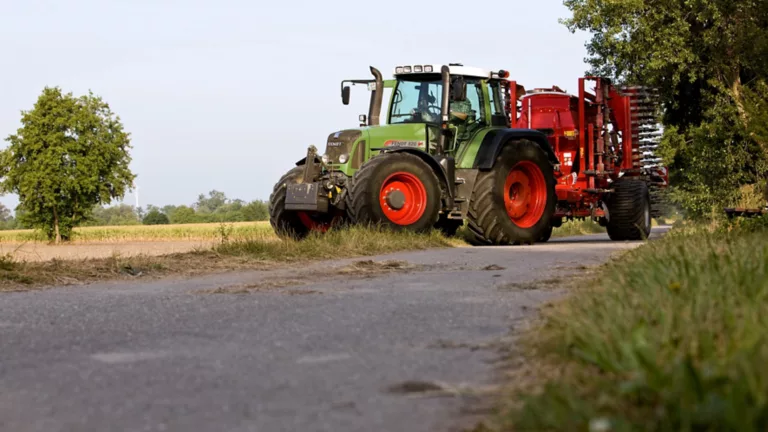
[(257, 252), (670, 337)]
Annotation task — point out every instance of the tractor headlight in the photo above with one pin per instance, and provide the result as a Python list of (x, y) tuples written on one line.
[(343, 158), (325, 159)]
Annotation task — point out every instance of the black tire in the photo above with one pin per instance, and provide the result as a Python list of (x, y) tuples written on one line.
[(363, 198), (629, 211), (489, 222), (449, 227), (288, 224), (547, 235)]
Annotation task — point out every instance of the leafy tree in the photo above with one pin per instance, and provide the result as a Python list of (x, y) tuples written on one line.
[(210, 204), (168, 210), (70, 154), (5, 213), (122, 214), (183, 215), (155, 217), (709, 59), (256, 211)]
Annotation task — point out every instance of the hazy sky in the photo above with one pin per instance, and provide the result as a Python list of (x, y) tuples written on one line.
[(228, 94)]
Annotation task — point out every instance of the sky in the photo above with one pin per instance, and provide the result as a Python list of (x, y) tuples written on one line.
[(228, 94)]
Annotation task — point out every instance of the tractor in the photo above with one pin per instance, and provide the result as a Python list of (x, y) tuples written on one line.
[(449, 152), (465, 145)]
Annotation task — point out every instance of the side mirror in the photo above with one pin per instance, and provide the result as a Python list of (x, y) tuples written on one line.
[(459, 90), (345, 95)]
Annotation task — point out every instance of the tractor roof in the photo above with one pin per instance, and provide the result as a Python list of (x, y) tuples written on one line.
[(455, 69)]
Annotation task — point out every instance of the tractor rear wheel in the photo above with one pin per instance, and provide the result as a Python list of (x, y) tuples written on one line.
[(629, 211), (297, 224), (513, 203), (394, 190), (546, 235)]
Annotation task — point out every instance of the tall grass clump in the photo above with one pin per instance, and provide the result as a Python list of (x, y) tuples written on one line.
[(671, 337), (342, 243)]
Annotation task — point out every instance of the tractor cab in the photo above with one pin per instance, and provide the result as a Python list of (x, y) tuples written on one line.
[(475, 100)]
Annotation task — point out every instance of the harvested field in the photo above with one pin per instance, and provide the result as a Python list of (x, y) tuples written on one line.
[(38, 251), (150, 233)]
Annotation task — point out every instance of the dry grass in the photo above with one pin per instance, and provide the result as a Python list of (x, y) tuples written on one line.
[(576, 228), (258, 252)]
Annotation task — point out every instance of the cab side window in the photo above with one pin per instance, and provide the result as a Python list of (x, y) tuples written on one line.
[(498, 114), (475, 98)]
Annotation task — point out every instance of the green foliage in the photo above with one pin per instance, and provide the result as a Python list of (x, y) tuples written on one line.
[(217, 208), (69, 155), (183, 215), (155, 217), (709, 58), (122, 214), (672, 337)]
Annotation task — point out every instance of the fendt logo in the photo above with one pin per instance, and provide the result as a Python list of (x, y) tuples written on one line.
[(399, 143)]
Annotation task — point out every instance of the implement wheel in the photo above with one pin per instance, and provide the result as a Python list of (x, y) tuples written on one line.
[(629, 211), (394, 190), (514, 202), (297, 224)]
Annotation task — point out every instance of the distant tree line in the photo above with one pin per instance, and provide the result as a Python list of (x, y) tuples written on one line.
[(215, 207)]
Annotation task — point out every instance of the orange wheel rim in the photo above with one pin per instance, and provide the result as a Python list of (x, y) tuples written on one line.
[(403, 198), (525, 194), (313, 224)]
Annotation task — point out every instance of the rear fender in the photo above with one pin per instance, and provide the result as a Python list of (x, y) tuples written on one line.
[(495, 140), (432, 162)]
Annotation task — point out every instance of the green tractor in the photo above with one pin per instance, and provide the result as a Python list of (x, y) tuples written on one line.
[(447, 153)]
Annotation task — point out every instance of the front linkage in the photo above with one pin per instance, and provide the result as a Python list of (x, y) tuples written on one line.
[(316, 194)]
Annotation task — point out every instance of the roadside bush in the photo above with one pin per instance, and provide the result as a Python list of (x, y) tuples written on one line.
[(155, 217)]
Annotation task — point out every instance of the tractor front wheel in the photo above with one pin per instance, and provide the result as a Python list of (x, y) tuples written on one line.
[(394, 190), (629, 211), (297, 224), (513, 203)]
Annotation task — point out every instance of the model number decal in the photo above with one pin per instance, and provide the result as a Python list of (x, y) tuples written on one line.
[(335, 143), (398, 143)]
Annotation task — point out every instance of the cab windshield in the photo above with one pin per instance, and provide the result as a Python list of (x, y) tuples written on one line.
[(417, 99)]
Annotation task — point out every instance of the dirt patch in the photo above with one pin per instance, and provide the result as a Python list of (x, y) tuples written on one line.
[(370, 267), (493, 267), (268, 285), (410, 387), (358, 270), (40, 252), (551, 283)]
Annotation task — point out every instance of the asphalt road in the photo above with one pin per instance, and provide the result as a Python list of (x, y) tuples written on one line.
[(336, 351)]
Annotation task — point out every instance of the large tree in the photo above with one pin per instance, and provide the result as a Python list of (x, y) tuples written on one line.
[(70, 154), (709, 58)]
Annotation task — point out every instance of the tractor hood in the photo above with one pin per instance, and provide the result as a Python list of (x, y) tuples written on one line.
[(342, 143), (350, 148)]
